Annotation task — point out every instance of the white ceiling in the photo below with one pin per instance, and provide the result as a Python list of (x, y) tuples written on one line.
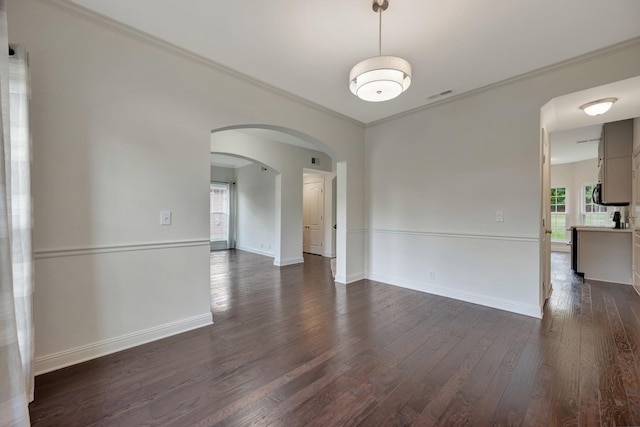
[(567, 123), (308, 47), (575, 145), (563, 112), (225, 161), (278, 136)]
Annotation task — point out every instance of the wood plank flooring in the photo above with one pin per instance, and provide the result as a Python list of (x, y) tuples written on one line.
[(290, 348)]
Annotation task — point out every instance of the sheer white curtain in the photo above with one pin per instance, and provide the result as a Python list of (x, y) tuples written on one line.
[(21, 212), (16, 287)]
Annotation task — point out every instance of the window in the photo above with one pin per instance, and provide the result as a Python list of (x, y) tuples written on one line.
[(558, 214), (592, 214), (219, 212)]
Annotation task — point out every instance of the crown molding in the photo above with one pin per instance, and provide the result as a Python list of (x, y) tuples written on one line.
[(535, 73), (133, 33), (149, 39)]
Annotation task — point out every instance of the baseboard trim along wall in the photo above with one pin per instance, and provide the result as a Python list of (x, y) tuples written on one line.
[(355, 277), (254, 251), (92, 250), (474, 298), (351, 278), (52, 362), (290, 261)]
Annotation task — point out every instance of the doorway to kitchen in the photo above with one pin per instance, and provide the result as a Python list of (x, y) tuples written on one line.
[(574, 181)]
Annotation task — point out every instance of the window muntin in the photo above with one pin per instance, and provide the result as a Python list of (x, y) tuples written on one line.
[(558, 214), (592, 213)]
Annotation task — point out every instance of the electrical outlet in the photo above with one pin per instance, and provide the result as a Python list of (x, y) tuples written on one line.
[(431, 275), (499, 216)]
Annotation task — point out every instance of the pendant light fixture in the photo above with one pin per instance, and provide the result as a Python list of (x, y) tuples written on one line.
[(380, 78)]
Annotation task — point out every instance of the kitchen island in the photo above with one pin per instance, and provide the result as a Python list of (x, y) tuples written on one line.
[(604, 254)]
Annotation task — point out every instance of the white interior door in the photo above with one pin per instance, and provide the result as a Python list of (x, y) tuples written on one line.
[(546, 217), (312, 217), (633, 221)]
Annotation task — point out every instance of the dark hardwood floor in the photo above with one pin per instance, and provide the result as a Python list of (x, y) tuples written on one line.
[(290, 348)]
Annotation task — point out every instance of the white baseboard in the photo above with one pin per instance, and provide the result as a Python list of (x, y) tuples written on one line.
[(595, 279), (355, 277), (488, 301), (329, 254), (255, 251), (52, 362), (345, 280), (290, 261)]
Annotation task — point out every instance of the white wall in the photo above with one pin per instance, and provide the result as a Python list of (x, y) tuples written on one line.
[(256, 194), (121, 128), (221, 174), (436, 177)]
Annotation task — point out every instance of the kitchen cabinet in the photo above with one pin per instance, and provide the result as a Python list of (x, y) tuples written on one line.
[(614, 161)]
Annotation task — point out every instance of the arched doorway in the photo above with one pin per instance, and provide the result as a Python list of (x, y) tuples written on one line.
[(289, 152)]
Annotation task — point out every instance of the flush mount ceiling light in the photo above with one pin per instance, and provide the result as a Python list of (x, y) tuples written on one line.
[(380, 78), (601, 106)]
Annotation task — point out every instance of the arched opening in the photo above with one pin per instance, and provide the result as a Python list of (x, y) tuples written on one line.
[(291, 154)]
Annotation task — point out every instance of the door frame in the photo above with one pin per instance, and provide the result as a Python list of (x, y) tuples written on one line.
[(546, 287), (634, 211), (305, 230)]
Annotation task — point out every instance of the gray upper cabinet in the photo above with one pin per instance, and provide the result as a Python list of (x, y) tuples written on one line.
[(614, 161)]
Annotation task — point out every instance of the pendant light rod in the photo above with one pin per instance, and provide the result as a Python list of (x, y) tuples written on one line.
[(378, 6), (380, 32)]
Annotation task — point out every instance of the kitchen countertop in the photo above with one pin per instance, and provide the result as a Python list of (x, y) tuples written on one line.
[(607, 229)]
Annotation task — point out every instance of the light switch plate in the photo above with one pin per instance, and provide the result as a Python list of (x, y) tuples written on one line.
[(165, 217), (499, 216)]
